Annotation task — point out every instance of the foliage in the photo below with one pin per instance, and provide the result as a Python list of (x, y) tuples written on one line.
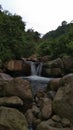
[(15, 42), (59, 42)]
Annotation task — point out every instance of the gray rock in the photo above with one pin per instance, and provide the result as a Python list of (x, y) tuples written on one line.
[(50, 125), (12, 119), (45, 108), (63, 101), (11, 101)]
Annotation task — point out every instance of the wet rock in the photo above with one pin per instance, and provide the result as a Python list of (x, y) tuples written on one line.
[(54, 84)]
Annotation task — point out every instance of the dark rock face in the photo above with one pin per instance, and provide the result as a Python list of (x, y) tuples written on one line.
[(68, 64), (17, 67), (53, 68), (58, 67), (63, 101)]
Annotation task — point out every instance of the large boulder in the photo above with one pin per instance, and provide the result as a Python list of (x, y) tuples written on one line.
[(68, 64), (66, 79), (17, 87), (53, 68), (18, 67), (12, 119), (63, 101), (54, 84)]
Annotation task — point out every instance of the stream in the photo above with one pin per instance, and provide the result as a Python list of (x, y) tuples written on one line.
[(37, 81)]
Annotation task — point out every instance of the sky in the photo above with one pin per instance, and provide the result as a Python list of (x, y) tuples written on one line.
[(41, 15)]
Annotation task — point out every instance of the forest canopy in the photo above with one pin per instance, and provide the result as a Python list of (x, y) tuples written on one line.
[(16, 42)]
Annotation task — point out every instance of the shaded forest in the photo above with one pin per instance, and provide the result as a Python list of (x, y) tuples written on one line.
[(16, 42)]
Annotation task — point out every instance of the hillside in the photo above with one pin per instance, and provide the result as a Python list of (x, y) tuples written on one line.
[(58, 42), (16, 42)]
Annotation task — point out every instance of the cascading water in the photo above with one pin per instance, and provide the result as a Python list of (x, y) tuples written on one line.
[(36, 69), (39, 69), (37, 81)]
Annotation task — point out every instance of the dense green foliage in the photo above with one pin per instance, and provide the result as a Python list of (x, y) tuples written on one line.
[(16, 43), (59, 42)]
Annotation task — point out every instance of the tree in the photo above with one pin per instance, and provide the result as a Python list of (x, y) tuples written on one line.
[(64, 23)]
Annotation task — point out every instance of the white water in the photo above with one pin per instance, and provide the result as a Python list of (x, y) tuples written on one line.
[(38, 78), (37, 81), (33, 68), (36, 69)]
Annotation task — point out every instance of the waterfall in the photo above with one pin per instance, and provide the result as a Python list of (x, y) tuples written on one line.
[(33, 69), (36, 68), (39, 69), (37, 81)]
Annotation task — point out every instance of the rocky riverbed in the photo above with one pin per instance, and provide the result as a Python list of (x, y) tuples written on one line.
[(47, 105), (50, 109)]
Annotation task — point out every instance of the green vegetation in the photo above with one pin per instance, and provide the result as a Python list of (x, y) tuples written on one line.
[(16, 42), (59, 42)]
